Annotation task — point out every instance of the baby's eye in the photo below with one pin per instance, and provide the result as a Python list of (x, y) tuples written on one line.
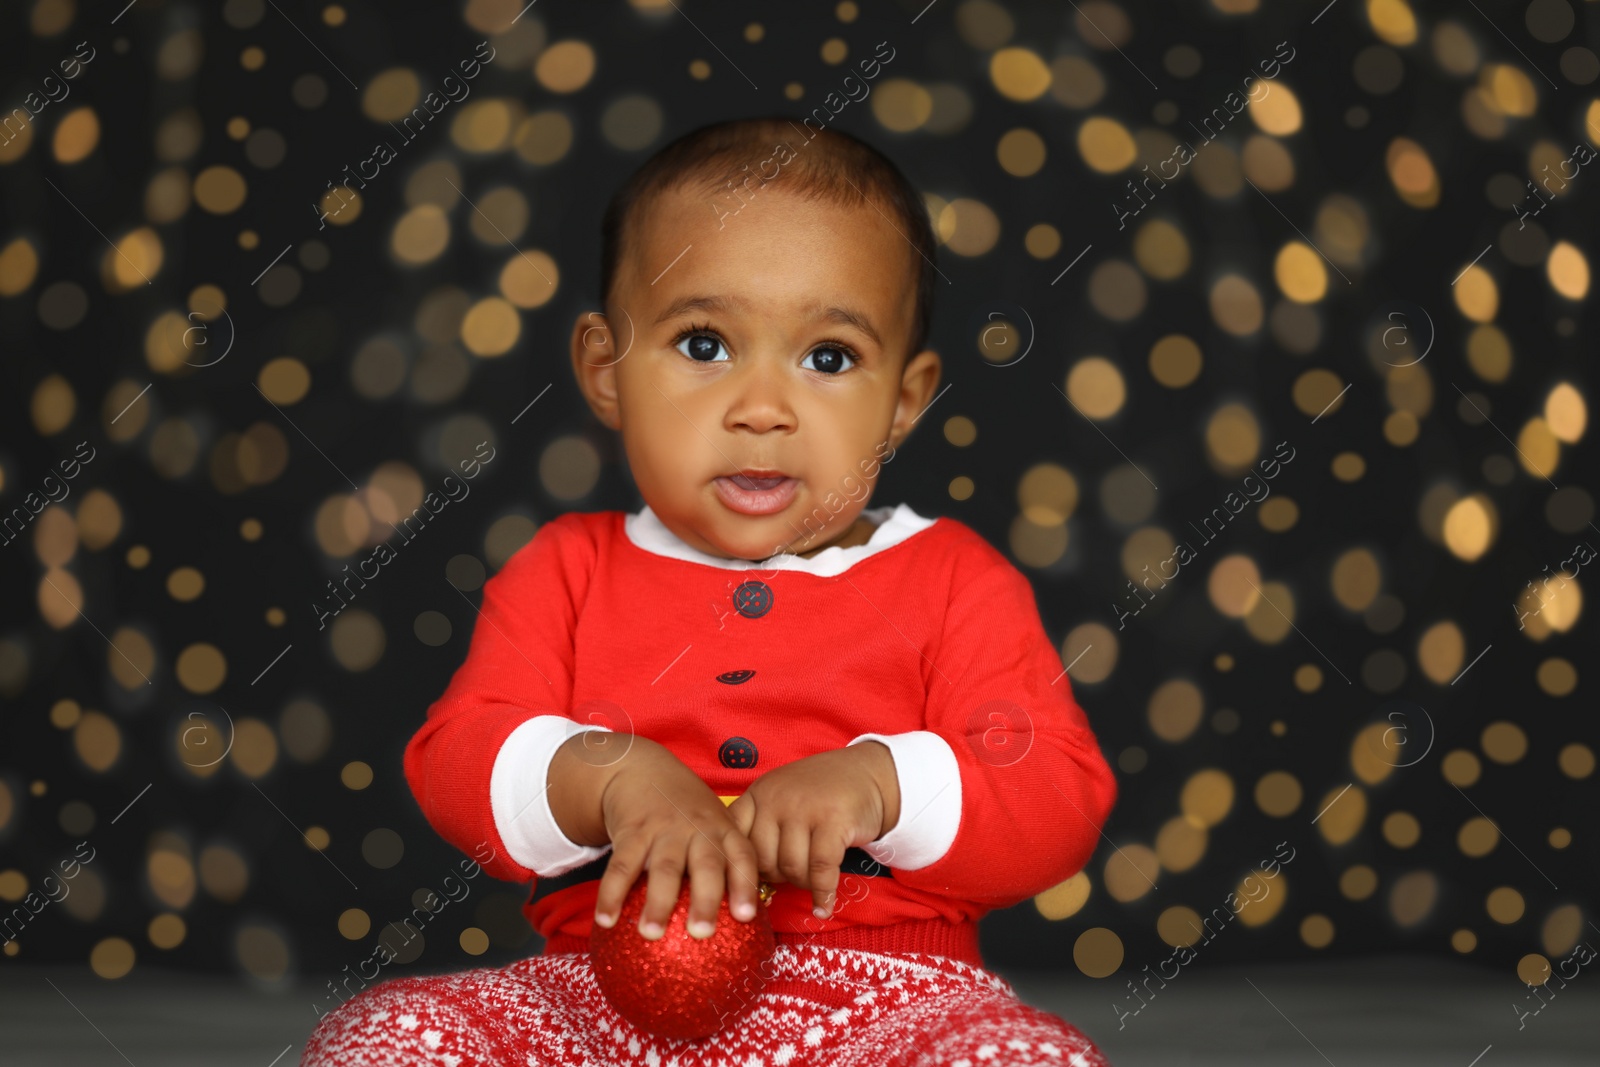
[(703, 348), (830, 359)]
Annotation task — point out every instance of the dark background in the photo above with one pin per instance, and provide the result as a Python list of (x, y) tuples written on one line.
[(108, 703)]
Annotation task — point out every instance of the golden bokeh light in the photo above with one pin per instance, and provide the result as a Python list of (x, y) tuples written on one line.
[(1161, 250), (421, 235), (968, 227), (1505, 905), (1207, 797), (1470, 526), (19, 265), (1412, 897), (284, 380), (1096, 388), (1568, 270), (1441, 652), (356, 775), (1175, 710), (1179, 926), (1300, 273), (1376, 751), (1234, 585), (1341, 813), (391, 95), (1538, 448), (1181, 843), (1477, 837), (1504, 742), (1098, 952), (1019, 74), (1318, 392), (1021, 152), (485, 125), (1236, 305), (220, 190), (1276, 112), (1401, 829), (1130, 872), (1047, 494), (1489, 353), (530, 279), (76, 135), (1065, 900), (1358, 882), (1091, 648), (1356, 580), (1392, 21), (1412, 173), (1106, 145), (1461, 767), (1509, 91), (1261, 897), (111, 958), (565, 67), (1175, 361), (1565, 413), (1233, 438), (1556, 676), (1278, 793), (901, 105), (491, 327), (1576, 760)]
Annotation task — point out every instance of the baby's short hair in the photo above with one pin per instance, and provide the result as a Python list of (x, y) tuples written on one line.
[(823, 164)]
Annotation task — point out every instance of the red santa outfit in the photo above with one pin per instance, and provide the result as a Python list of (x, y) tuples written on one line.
[(924, 638)]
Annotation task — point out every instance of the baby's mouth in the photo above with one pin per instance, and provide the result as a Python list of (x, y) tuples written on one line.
[(756, 494)]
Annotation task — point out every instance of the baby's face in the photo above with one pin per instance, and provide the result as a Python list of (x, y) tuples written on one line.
[(757, 371)]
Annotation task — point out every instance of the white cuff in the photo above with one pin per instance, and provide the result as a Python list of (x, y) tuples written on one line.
[(930, 800), (519, 798)]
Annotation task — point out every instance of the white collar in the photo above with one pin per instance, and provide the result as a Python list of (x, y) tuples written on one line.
[(895, 523)]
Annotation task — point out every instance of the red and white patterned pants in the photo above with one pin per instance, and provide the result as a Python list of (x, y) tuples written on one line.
[(823, 1007)]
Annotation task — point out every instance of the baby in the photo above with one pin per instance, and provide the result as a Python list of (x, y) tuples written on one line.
[(755, 676)]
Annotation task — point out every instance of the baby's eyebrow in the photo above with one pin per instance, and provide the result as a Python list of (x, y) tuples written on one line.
[(848, 317), (711, 302), (715, 302)]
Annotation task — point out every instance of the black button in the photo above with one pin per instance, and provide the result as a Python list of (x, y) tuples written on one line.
[(736, 677), (737, 752), (752, 599)]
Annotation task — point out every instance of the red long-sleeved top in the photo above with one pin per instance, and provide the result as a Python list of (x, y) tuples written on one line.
[(929, 640)]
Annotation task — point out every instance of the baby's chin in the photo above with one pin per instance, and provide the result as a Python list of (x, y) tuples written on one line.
[(751, 544)]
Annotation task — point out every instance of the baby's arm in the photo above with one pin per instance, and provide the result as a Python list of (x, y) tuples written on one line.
[(1003, 794), (1000, 796), (478, 765), (499, 766)]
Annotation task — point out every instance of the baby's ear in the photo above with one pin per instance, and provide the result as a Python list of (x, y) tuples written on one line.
[(595, 355), (918, 381)]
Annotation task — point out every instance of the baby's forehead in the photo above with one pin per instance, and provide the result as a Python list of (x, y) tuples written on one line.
[(764, 228)]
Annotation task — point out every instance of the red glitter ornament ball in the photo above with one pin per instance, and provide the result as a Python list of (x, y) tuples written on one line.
[(681, 987)]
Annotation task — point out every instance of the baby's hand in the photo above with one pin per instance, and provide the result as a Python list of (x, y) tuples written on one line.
[(803, 815), (662, 818)]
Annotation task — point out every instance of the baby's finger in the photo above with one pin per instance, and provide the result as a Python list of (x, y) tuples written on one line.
[(744, 882), (764, 837), (827, 855), (706, 883), (622, 870), (743, 813), (666, 885), (794, 854)]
